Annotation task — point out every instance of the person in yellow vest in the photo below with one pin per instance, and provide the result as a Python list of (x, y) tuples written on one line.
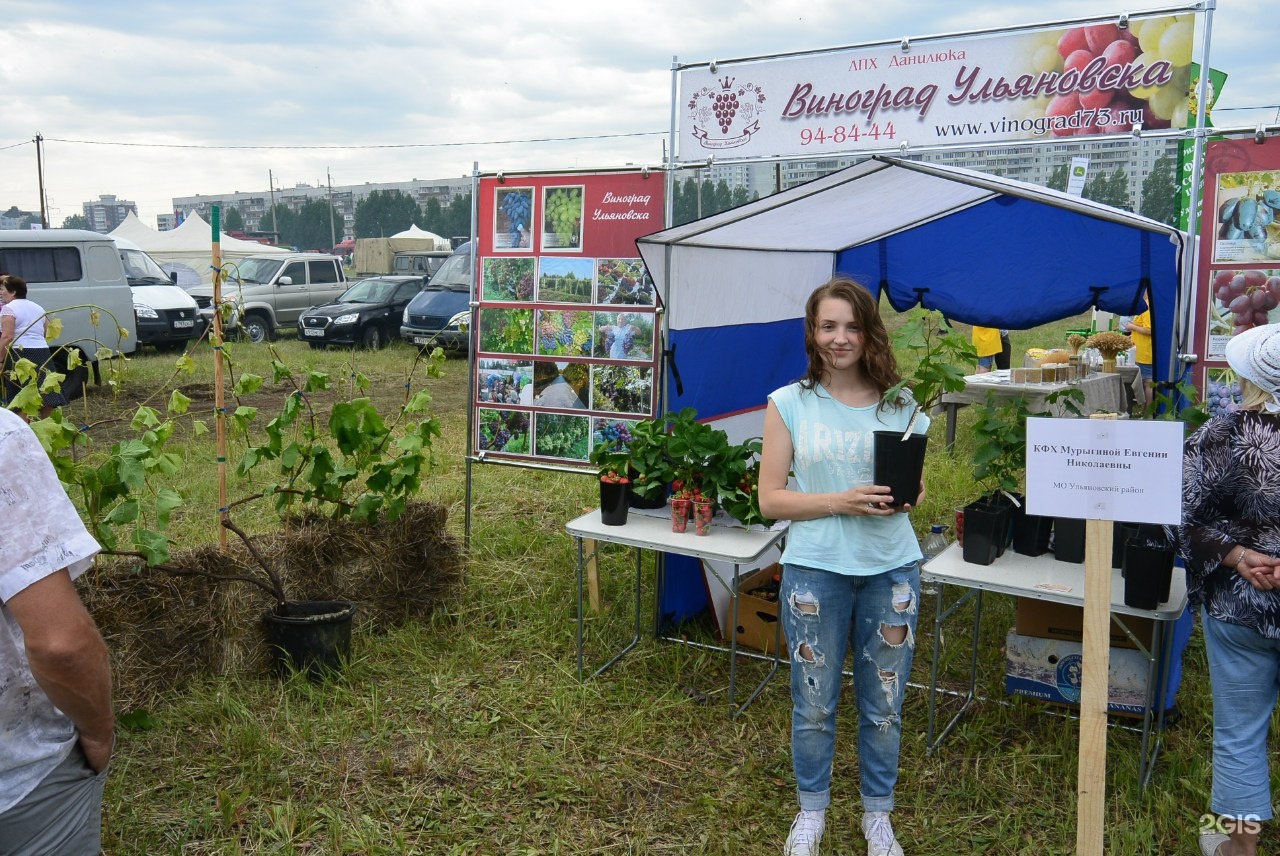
[(1139, 330), (987, 341)]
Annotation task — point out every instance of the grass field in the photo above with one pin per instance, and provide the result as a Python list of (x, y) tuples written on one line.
[(470, 734)]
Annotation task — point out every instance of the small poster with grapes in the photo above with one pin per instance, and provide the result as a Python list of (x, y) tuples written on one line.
[(513, 218), (1247, 205), (623, 281), (562, 219), (509, 279), (624, 335)]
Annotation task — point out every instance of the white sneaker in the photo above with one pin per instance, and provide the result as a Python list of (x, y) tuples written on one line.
[(879, 834), (806, 833)]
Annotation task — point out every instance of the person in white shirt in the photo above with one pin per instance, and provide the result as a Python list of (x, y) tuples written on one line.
[(57, 727), (23, 324)]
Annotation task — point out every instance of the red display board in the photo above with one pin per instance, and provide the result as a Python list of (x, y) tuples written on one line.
[(1238, 274), (566, 336)]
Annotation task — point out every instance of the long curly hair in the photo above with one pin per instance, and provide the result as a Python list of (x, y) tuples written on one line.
[(878, 362)]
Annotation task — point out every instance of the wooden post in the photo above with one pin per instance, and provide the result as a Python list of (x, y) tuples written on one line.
[(1091, 776), (591, 548), (215, 338)]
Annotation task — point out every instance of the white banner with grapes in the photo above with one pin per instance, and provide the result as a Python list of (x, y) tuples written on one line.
[(1038, 83)]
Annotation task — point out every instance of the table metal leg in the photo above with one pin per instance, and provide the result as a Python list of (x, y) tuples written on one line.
[(1157, 691), (939, 616), (951, 424), (635, 635)]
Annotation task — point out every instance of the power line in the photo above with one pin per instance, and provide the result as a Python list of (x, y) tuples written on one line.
[(15, 145), (360, 146)]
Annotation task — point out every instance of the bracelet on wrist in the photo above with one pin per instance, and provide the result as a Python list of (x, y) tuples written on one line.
[(830, 511)]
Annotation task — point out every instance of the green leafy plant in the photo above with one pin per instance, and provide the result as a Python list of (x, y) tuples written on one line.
[(1179, 401), (941, 358), (1000, 450), (354, 465)]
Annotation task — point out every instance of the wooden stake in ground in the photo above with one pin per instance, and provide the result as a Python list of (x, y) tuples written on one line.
[(215, 338), (1091, 777)]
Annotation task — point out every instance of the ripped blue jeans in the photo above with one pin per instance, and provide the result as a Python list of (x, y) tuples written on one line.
[(822, 613)]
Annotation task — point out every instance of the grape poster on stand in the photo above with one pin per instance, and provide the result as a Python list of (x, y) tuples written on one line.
[(567, 334), (1239, 262)]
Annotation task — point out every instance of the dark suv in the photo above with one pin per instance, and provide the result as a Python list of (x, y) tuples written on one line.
[(440, 313)]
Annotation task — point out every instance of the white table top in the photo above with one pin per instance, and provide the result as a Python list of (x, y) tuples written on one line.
[(1043, 578), (727, 544)]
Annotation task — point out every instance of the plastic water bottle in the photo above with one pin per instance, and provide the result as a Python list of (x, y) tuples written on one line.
[(935, 542)]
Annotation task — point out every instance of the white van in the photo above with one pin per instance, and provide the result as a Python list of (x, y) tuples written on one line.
[(166, 316), (75, 268), (270, 293)]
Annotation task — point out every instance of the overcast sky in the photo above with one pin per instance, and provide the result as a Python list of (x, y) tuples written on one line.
[(422, 89)]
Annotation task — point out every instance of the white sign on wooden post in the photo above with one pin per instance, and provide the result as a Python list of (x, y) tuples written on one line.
[(1105, 469), (1102, 469)]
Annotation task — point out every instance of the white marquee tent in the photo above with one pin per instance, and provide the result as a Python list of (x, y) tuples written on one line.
[(188, 249)]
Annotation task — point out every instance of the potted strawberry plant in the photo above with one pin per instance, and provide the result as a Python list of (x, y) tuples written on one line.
[(615, 493)]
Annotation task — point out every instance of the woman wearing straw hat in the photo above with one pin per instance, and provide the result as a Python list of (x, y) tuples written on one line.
[(1230, 539)]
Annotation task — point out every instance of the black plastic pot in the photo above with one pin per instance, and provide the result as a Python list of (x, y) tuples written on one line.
[(614, 497), (1068, 539), (985, 528), (1148, 568), (1120, 535), (312, 636), (1030, 532), (1002, 502), (899, 463)]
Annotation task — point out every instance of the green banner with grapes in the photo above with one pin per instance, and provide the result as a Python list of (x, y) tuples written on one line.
[(1186, 148)]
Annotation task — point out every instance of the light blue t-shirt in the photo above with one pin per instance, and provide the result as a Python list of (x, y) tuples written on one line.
[(832, 451)]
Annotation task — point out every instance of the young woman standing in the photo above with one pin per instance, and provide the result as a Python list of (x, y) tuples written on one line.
[(851, 571)]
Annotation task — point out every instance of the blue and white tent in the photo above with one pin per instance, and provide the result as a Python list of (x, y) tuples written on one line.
[(983, 249)]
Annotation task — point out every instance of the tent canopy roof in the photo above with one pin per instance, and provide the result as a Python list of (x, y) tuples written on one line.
[(982, 249)]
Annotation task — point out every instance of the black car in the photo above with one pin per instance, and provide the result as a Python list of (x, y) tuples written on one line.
[(367, 314), (440, 314)]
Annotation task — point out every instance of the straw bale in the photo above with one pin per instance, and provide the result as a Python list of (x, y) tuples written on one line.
[(163, 628)]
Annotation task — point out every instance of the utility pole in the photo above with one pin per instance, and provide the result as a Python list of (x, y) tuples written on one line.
[(271, 185), (333, 237), (44, 207)]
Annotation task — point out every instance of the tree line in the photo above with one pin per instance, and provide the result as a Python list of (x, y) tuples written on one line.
[(1159, 190)]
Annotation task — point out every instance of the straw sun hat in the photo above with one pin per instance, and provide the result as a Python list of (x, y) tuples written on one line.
[(1255, 356)]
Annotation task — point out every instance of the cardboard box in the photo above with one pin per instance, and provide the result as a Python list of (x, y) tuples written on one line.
[(1049, 620), (1050, 670), (757, 616)]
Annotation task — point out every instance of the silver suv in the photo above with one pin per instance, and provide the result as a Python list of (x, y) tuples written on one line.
[(270, 293)]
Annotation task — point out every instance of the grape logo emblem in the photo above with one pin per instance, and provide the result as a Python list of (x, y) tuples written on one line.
[(724, 115)]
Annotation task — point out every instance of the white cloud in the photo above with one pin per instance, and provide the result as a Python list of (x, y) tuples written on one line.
[(396, 72)]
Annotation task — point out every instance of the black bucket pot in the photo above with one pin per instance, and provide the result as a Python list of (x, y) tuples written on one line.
[(899, 463), (1148, 567), (1068, 539), (614, 498), (311, 636), (986, 528)]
